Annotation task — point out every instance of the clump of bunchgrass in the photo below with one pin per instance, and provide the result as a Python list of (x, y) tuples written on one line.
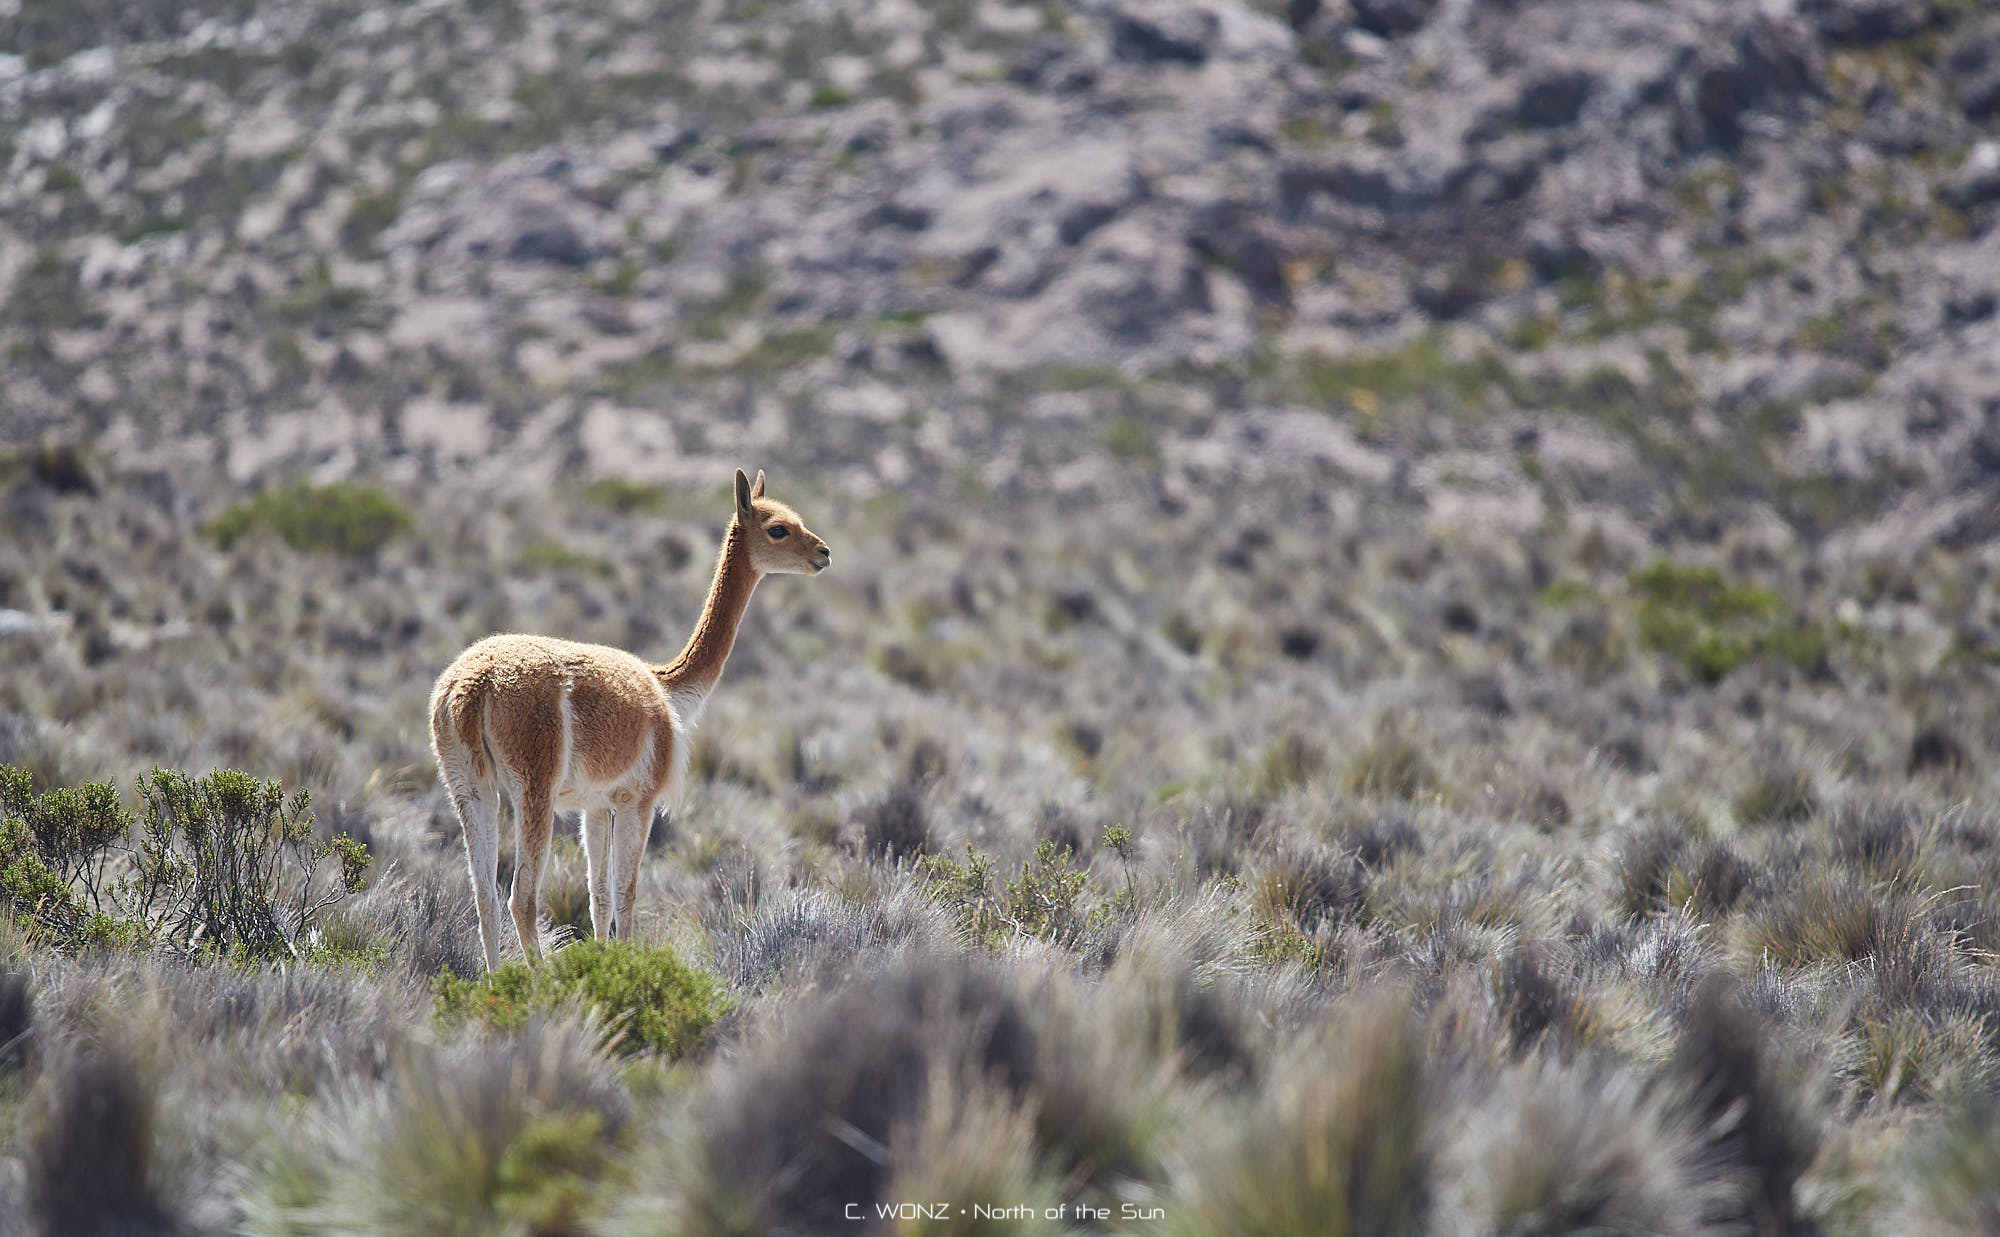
[(971, 1156), (1956, 1188), (897, 825), (1392, 767), (516, 1134), (1916, 1056), (1535, 1002), (17, 1020), (1560, 1149), (1780, 791), (1341, 1145), (1666, 866), (1291, 760), (1828, 916), (1303, 893), (818, 1118), (1755, 1112), (91, 1168)]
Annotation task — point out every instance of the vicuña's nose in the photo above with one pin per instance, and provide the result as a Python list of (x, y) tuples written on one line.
[(826, 551)]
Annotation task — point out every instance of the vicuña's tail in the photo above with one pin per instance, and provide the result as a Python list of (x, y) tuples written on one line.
[(458, 730)]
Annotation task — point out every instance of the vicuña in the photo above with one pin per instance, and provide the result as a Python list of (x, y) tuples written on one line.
[(567, 727)]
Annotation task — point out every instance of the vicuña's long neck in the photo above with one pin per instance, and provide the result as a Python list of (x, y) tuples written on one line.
[(695, 671)]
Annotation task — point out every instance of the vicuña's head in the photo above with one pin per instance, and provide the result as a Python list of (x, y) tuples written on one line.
[(778, 541)]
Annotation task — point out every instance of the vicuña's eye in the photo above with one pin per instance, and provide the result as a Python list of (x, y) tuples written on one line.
[(780, 532)]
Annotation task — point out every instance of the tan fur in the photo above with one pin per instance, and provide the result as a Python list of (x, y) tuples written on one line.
[(562, 726)]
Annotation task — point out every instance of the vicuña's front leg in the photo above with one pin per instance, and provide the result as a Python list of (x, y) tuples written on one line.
[(598, 829), (628, 846)]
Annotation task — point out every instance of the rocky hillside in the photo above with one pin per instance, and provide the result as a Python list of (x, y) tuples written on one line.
[(1688, 265)]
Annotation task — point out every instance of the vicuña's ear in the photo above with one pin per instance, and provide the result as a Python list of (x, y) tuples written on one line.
[(757, 490), (743, 495)]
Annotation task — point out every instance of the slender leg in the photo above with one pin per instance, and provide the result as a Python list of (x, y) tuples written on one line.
[(628, 846), (479, 825), (598, 830), (535, 831)]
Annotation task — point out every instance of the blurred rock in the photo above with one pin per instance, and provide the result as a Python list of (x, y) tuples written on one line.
[(1973, 65), (1389, 18), (1554, 100), (1161, 31), (1867, 22)]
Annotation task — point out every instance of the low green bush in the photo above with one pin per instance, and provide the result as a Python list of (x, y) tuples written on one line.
[(228, 862), (1043, 902), (1712, 626), (219, 865), (340, 519), (553, 556), (650, 999), (630, 497)]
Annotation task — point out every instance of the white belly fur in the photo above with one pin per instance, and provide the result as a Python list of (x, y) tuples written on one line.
[(577, 791)]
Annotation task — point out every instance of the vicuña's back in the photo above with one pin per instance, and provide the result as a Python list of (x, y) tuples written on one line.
[(562, 726)]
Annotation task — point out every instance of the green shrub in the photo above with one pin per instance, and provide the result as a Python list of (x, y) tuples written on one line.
[(226, 862), (553, 556), (221, 864), (1419, 370), (652, 1000), (50, 845), (1695, 615), (39, 897), (342, 518), (1567, 593), (1042, 902), (627, 496)]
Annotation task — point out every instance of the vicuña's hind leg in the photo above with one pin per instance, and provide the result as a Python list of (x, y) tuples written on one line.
[(598, 829), (536, 828), (479, 824)]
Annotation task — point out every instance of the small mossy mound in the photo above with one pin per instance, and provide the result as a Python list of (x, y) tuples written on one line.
[(1712, 626), (341, 518), (651, 1000)]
